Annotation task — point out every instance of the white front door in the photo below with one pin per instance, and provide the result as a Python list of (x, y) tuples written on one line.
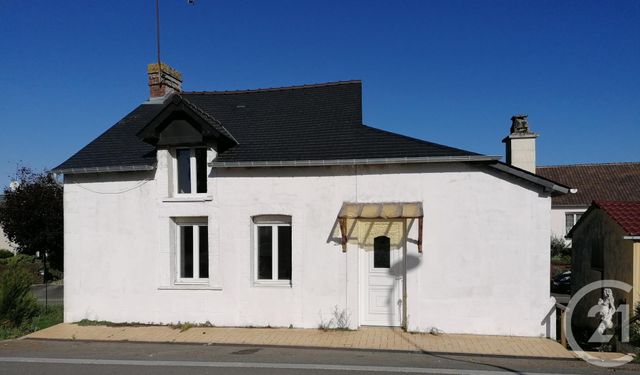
[(383, 269)]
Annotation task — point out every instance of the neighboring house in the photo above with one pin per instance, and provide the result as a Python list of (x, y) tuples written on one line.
[(4, 241), (606, 246), (612, 182), (279, 206)]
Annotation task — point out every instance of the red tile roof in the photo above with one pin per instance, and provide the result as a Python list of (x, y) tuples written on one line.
[(626, 214), (611, 182)]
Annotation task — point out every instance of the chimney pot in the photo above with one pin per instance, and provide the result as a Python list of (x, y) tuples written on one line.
[(521, 144), (163, 80)]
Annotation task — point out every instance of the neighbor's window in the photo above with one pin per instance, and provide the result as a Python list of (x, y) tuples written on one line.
[(191, 170), (571, 218), (272, 248), (192, 250)]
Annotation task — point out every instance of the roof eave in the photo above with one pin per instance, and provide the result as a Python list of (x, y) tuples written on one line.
[(549, 186), (117, 168), (339, 162)]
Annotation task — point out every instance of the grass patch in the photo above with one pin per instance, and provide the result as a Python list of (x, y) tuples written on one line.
[(88, 323), (188, 325), (43, 319), (181, 326)]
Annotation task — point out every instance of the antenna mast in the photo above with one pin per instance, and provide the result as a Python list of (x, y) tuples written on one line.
[(158, 31)]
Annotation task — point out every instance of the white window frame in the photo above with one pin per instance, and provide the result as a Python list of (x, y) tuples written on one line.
[(192, 171), (273, 221), (194, 222), (574, 215)]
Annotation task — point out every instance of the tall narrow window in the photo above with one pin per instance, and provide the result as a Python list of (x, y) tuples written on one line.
[(571, 218), (192, 252), (381, 252), (273, 250), (183, 157), (201, 169), (191, 170), (284, 253), (203, 251), (186, 252), (265, 252)]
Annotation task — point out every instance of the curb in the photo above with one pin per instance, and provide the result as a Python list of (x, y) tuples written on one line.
[(422, 352)]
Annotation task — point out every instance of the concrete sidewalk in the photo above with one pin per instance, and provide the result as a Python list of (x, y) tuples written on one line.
[(364, 338)]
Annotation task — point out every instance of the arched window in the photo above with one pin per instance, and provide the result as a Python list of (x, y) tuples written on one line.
[(381, 252)]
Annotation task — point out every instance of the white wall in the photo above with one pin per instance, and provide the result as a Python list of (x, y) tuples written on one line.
[(484, 268), (558, 215)]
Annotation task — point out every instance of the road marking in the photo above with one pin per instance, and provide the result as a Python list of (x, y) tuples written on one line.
[(259, 365)]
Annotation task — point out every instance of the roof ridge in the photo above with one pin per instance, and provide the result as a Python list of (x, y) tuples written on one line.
[(268, 89), (589, 164)]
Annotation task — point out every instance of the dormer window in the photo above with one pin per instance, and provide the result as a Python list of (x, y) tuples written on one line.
[(190, 166)]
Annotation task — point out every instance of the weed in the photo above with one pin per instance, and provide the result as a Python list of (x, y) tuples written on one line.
[(340, 321)]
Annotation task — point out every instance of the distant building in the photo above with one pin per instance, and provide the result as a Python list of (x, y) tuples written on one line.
[(607, 182)]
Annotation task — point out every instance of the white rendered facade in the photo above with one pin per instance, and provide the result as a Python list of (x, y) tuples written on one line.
[(560, 221), (483, 269)]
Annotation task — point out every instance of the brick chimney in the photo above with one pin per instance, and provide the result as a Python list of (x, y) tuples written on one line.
[(163, 80), (521, 144)]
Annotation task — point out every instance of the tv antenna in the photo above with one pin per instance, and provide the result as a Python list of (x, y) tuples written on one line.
[(190, 2)]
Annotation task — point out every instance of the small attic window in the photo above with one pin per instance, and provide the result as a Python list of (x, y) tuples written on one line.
[(190, 166)]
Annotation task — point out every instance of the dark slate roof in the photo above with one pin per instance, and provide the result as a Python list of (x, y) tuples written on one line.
[(318, 122), (299, 123), (118, 148), (610, 182)]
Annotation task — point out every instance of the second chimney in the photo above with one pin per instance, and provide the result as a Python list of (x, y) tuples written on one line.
[(521, 144), (163, 80)]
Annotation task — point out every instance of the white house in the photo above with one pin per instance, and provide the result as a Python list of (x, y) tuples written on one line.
[(278, 207)]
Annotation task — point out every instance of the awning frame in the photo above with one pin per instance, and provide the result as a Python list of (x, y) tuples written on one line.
[(344, 214)]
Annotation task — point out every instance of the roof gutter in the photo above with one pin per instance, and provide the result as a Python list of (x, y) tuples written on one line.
[(634, 238), (119, 168), (338, 162), (549, 186)]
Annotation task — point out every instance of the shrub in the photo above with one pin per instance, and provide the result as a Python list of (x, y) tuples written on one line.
[(29, 264), (559, 249), (17, 303), (4, 253)]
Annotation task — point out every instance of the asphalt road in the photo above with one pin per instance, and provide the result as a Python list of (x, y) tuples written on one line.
[(54, 293), (67, 357)]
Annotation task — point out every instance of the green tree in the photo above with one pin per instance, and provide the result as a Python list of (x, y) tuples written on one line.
[(559, 248), (31, 215)]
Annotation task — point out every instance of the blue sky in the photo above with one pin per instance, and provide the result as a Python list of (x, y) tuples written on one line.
[(451, 72)]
